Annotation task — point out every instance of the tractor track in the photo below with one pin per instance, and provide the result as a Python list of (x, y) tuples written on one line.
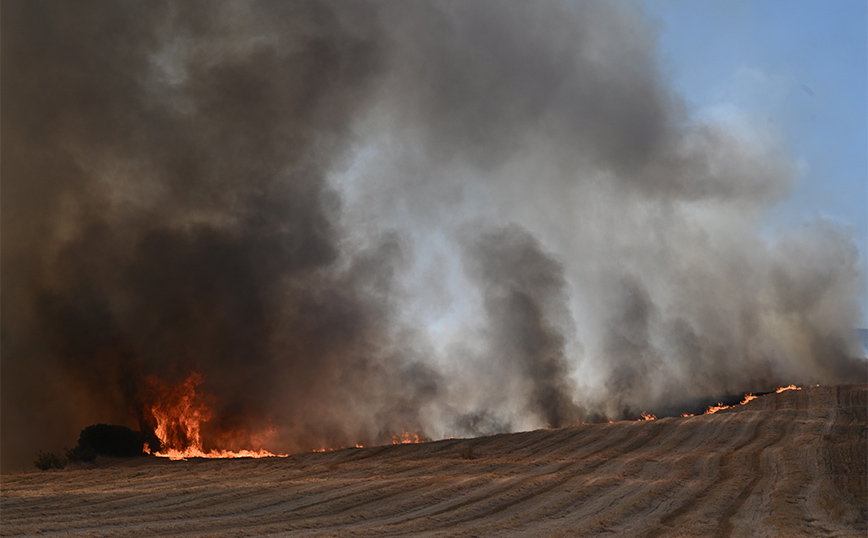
[(791, 464)]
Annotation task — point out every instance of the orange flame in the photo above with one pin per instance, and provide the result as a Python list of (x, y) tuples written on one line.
[(179, 413), (720, 407), (648, 416), (788, 387), (406, 438), (715, 408)]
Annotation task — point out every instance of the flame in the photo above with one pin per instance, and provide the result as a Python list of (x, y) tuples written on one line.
[(179, 413), (715, 408), (747, 397), (406, 438), (648, 416), (720, 407)]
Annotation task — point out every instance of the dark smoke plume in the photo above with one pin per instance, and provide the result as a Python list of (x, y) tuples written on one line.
[(525, 303), (167, 211), (352, 219)]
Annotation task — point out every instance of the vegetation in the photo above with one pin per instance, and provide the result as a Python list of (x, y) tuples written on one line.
[(80, 454), (107, 440), (96, 440), (49, 460)]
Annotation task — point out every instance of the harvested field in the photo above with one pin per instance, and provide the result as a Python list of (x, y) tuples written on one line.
[(788, 464)]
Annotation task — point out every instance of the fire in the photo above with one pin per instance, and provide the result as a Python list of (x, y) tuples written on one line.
[(648, 416), (720, 407), (179, 413), (747, 397), (406, 438), (715, 408)]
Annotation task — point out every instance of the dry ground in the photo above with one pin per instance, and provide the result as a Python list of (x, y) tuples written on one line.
[(789, 464)]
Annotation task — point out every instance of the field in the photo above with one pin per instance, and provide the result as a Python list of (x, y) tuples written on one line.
[(789, 464)]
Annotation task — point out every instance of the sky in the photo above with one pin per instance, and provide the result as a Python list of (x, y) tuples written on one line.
[(797, 70)]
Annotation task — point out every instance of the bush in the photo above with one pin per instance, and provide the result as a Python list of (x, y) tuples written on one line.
[(107, 440), (79, 454), (49, 460)]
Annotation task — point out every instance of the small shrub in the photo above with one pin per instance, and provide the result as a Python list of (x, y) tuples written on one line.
[(49, 460), (465, 451)]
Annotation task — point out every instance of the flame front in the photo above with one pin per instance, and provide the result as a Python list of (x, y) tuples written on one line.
[(719, 407), (179, 413), (406, 438), (747, 398)]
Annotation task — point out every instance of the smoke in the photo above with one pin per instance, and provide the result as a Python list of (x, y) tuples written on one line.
[(352, 219), (524, 303)]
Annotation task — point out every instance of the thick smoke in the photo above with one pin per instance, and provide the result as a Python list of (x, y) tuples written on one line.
[(168, 212), (525, 306), (353, 219)]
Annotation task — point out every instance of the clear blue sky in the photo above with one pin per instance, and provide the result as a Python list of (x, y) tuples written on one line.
[(800, 67)]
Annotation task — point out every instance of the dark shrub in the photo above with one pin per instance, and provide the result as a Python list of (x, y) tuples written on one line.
[(49, 460), (108, 440), (79, 454)]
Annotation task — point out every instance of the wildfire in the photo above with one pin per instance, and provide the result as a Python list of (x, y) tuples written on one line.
[(179, 413), (715, 408), (648, 416), (720, 407), (406, 438), (747, 397)]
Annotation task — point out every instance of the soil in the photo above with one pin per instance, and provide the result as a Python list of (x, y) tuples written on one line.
[(789, 464)]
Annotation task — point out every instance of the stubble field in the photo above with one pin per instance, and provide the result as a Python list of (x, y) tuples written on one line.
[(789, 464)]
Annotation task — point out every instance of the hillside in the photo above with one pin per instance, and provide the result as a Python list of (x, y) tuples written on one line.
[(788, 464)]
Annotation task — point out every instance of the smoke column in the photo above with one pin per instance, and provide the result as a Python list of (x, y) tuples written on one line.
[(454, 218)]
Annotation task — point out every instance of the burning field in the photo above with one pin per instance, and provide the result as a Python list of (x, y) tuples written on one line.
[(258, 229), (784, 464)]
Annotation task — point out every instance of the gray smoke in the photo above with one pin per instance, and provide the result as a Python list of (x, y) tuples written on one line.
[(525, 305), (353, 219)]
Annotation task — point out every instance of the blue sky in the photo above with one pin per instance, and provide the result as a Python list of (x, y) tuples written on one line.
[(797, 67)]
